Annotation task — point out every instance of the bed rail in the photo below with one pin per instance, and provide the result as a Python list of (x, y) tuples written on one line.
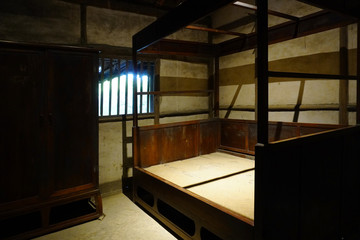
[(240, 135)]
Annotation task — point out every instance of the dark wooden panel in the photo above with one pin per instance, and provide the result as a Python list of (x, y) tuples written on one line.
[(150, 142), (279, 131), (306, 187), (306, 130), (21, 124), (209, 137), (72, 118), (234, 134), (180, 143), (170, 142), (350, 222), (241, 135)]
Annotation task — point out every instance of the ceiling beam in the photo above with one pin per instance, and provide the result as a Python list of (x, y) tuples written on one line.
[(213, 30), (179, 47), (348, 7), (271, 12), (313, 23), (126, 6), (170, 23)]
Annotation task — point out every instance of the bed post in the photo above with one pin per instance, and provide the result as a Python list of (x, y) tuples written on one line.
[(216, 86), (261, 109), (135, 115), (358, 76), (262, 72)]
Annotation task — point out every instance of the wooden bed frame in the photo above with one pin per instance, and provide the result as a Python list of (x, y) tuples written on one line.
[(307, 184)]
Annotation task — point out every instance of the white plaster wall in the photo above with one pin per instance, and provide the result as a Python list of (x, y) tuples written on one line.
[(110, 152), (179, 69), (106, 26), (42, 21), (316, 92), (172, 68)]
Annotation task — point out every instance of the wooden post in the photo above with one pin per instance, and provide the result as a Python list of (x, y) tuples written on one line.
[(344, 84), (262, 76), (216, 86), (156, 96), (358, 76), (135, 115)]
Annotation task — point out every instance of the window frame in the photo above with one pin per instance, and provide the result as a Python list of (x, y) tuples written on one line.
[(121, 65)]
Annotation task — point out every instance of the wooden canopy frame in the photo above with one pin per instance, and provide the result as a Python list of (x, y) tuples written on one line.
[(279, 204), (150, 40)]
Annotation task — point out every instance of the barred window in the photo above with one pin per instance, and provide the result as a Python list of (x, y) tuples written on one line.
[(116, 78)]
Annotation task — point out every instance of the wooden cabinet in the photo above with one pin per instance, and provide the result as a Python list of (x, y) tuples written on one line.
[(49, 138)]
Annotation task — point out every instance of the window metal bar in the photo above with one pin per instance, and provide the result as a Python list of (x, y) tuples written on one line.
[(110, 84), (118, 90), (148, 86), (102, 87), (126, 86), (141, 85)]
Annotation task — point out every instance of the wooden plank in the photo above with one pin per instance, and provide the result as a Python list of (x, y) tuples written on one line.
[(209, 137), (262, 77), (311, 76), (307, 186), (185, 14), (213, 30), (179, 47), (172, 93)]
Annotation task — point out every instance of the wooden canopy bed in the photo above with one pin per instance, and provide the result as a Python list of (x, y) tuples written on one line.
[(244, 179)]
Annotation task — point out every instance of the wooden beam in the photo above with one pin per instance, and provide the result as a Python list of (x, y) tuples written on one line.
[(126, 6), (311, 76), (176, 20), (347, 7), (192, 27), (271, 12), (344, 70), (239, 22), (217, 87), (179, 47), (262, 78), (310, 24), (135, 120)]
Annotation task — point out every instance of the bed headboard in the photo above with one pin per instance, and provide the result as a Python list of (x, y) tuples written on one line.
[(170, 142)]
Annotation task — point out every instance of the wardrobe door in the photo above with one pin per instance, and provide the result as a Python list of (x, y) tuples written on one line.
[(21, 125), (72, 116)]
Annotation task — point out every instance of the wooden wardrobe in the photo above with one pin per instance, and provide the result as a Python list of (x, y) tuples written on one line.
[(49, 138)]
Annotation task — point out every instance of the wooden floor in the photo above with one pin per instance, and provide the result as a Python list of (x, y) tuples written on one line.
[(123, 220)]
